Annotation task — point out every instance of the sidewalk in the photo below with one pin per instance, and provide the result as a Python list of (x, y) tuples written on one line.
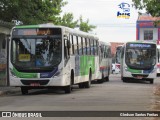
[(7, 90)]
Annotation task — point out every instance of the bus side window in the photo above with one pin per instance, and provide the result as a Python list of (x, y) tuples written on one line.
[(82, 45), (77, 45), (97, 47), (90, 47), (65, 49), (86, 45), (74, 44), (71, 42), (93, 47)]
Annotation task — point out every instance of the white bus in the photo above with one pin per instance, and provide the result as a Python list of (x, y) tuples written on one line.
[(118, 59), (42, 56), (105, 61), (158, 64), (139, 61)]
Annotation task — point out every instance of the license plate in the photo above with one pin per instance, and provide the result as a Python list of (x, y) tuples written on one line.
[(34, 84), (139, 77)]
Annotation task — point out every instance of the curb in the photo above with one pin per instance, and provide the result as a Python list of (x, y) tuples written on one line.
[(11, 91)]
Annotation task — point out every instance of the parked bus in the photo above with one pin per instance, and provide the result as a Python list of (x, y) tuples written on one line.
[(46, 56), (105, 61), (158, 64), (118, 59), (139, 61)]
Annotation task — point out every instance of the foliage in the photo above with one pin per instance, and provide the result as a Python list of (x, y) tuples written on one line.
[(68, 20), (30, 11), (38, 12), (152, 6), (84, 25)]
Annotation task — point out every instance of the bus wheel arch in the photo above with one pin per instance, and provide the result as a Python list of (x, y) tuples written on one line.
[(68, 88)]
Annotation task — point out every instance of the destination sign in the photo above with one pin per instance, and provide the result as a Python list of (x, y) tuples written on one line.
[(40, 31), (138, 45)]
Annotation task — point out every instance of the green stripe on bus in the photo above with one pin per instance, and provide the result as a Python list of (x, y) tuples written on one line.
[(24, 75), (28, 26), (134, 71), (87, 62)]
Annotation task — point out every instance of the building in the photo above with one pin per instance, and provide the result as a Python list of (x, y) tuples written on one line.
[(146, 29), (5, 28), (114, 46)]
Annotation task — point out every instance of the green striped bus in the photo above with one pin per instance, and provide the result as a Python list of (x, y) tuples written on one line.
[(47, 56)]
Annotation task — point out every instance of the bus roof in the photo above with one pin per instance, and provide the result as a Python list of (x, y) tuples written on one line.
[(66, 29), (143, 41), (104, 43)]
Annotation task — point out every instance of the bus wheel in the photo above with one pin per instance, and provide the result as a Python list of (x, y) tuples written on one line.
[(101, 80), (151, 81), (107, 78), (88, 83), (81, 85), (68, 89), (124, 79), (24, 90)]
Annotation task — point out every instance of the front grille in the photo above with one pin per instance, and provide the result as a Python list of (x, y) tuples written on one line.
[(29, 82), (136, 75)]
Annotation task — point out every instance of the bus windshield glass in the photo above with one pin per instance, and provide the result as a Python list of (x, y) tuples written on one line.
[(118, 53), (36, 52), (140, 55)]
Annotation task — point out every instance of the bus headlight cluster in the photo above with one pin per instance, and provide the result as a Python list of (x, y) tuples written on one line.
[(126, 69), (58, 73), (13, 73)]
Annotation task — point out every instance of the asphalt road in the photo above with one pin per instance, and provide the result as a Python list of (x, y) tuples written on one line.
[(109, 96)]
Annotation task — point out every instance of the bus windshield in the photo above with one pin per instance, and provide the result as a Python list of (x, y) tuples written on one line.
[(140, 55), (36, 53), (118, 53)]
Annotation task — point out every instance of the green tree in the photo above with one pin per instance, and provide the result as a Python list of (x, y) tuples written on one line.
[(40, 11), (68, 20), (84, 25), (152, 6), (31, 11)]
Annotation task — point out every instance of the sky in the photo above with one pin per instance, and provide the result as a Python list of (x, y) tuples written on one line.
[(103, 14)]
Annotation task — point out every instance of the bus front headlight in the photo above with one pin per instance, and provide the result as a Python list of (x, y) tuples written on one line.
[(13, 73), (126, 69)]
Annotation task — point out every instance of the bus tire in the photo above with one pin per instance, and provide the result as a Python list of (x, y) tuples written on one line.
[(101, 80), (81, 85), (88, 83), (124, 79), (24, 90), (151, 81), (68, 89), (107, 78)]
